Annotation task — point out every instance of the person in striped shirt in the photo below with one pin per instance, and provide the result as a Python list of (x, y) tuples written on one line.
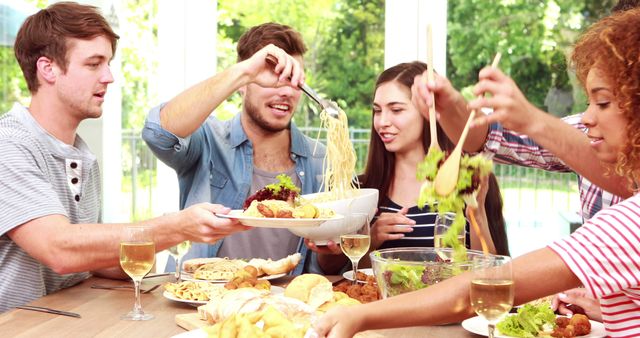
[(604, 254), (49, 179), (400, 138)]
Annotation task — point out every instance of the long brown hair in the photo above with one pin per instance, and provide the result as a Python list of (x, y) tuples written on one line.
[(380, 167), (46, 33), (379, 170)]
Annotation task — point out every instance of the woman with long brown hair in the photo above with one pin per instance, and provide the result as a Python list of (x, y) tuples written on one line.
[(400, 137)]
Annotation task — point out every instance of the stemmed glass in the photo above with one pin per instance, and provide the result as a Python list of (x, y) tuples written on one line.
[(177, 252), (137, 255), (442, 224), (491, 291), (356, 241)]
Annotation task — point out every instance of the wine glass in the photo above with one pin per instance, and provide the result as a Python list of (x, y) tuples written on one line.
[(177, 252), (137, 255), (491, 291), (443, 223), (355, 242)]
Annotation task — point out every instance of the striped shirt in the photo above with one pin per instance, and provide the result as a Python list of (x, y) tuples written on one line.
[(605, 255), (39, 176), (422, 234), (506, 146)]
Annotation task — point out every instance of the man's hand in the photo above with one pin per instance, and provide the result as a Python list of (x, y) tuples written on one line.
[(510, 106), (451, 110), (390, 226), (565, 303), (199, 223), (332, 248), (283, 71), (448, 100)]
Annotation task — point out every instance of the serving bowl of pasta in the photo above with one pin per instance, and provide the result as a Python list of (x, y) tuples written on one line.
[(356, 201)]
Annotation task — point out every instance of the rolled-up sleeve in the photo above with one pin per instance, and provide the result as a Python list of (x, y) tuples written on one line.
[(177, 152), (506, 146)]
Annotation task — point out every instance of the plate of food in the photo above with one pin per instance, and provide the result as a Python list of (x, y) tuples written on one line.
[(219, 289), (478, 325), (221, 270), (191, 278), (279, 205), (251, 220)]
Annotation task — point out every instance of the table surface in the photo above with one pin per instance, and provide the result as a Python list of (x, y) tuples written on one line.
[(101, 311)]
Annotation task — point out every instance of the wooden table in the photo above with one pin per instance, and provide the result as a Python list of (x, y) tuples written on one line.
[(101, 311)]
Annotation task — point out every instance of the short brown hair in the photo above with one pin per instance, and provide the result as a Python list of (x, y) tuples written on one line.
[(613, 46), (279, 35), (46, 32)]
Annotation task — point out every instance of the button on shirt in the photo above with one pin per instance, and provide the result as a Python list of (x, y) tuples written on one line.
[(215, 164)]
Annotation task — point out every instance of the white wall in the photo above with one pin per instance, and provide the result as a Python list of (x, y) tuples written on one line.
[(187, 42), (406, 32), (104, 135)]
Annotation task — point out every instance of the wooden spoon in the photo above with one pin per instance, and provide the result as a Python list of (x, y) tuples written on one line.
[(430, 78), (447, 176)]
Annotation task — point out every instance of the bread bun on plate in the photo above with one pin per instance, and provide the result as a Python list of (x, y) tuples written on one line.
[(283, 265), (312, 289)]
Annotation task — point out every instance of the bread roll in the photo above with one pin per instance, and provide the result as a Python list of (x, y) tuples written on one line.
[(283, 265), (312, 289)]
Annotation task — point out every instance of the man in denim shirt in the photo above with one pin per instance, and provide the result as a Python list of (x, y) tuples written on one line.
[(225, 162)]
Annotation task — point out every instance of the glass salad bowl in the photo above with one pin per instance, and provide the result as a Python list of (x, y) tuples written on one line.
[(401, 270)]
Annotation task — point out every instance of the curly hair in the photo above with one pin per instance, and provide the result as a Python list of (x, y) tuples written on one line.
[(613, 45)]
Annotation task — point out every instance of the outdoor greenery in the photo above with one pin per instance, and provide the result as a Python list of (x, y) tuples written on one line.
[(346, 53), (534, 36)]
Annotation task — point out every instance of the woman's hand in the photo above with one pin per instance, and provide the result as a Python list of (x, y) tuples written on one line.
[(338, 322), (332, 248), (565, 303), (390, 226)]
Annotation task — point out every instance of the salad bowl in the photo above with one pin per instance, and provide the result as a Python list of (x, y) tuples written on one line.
[(400, 270)]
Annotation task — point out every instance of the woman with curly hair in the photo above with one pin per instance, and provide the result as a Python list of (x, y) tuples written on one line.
[(604, 254)]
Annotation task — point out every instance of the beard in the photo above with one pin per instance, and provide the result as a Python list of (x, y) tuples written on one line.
[(261, 122)]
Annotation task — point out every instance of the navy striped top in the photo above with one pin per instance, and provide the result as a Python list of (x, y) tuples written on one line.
[(422, 235)]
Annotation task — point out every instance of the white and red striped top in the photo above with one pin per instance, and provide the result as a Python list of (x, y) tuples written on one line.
[(605, 255)]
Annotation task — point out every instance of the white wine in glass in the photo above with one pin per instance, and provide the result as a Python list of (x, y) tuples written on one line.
[(491, 291), (355, 243), (442, 224), (137, 255), (177, 252)]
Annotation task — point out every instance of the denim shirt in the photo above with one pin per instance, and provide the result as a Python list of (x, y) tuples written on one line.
[(215, 164)]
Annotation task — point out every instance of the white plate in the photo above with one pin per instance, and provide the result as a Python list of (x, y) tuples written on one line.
[(349, 274), (169, 295), (478, 325), (189, 277), (263, 222), (275, 290)]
